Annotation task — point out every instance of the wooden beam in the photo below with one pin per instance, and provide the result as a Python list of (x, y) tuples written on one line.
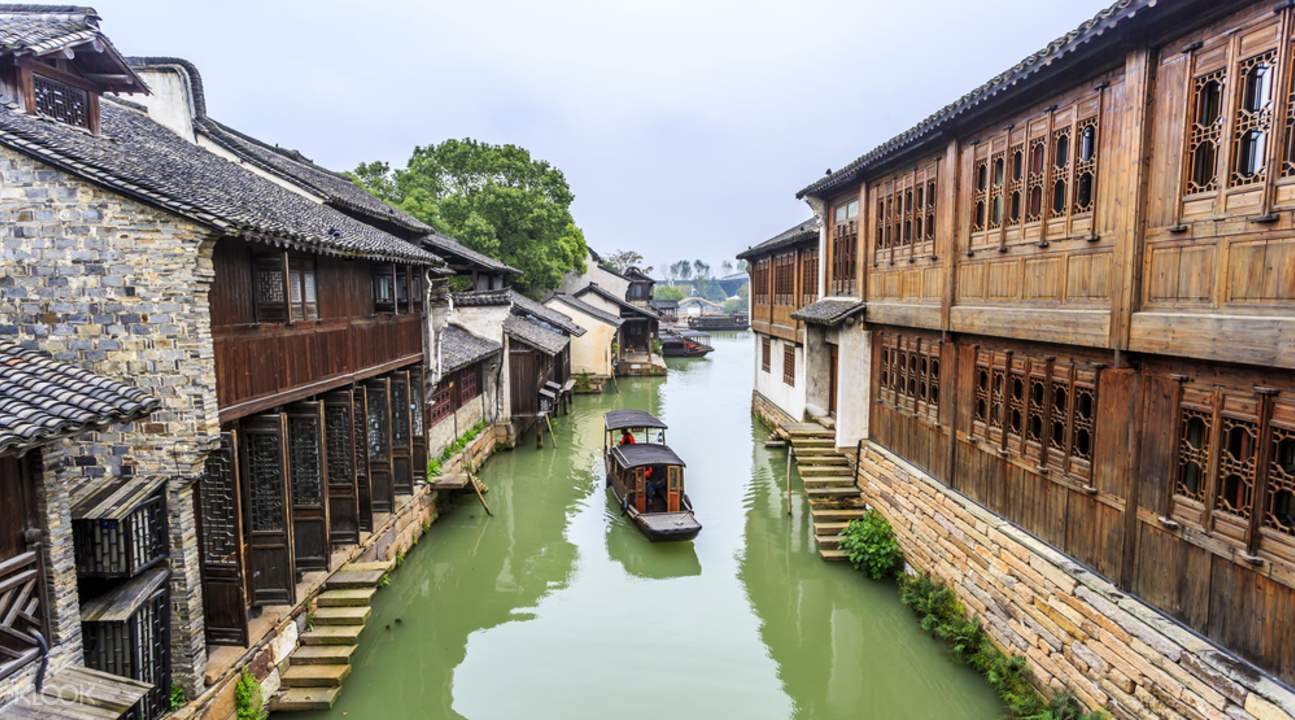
[(265, 402)]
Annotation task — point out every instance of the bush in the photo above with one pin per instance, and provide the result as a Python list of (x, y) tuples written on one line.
[(942, 615), (248, 704), (870, 544), (178, 698)]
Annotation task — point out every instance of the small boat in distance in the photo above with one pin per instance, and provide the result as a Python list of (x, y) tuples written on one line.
[(685, 343), (646, 477)]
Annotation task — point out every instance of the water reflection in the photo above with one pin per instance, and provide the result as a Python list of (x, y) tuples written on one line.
[(558, 608)]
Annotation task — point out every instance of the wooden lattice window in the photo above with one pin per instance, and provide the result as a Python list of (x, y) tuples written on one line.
[(1194, 427), (845, 234), (1238, 464), (442, 400), (908, 374), (765, 353), (997, 178), (1288, 129), (1279, 503), (1085, 166), (270, 285), (303, 295), (1037, 171), (1015, 183), (400, 410), (265, 470), (789, 364), (980, 196), (808, 276), (882, 225), (384, 287), (1059, 199), (62, 102), (1205, 130), (981, 407), (1252, 125), (306, 460), (469, 383), (760, 281), (784, 279)]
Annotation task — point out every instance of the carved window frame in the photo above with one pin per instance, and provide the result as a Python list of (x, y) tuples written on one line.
[(844, 216), (808, 276), (908, 374), (789, 365)]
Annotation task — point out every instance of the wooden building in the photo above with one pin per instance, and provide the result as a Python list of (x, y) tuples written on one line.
[(1073, 287)]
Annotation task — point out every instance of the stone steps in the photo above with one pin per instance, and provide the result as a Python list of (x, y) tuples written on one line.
[(828, 542), (806, 470), (348, 579), (829, 528), (833, 492), (799, 442), (305, 699), (822, 461), (323, 655), (832, 554), (351, 615), (836, 514), (315, 676), (355, 597), (332, 635), (821, 480)]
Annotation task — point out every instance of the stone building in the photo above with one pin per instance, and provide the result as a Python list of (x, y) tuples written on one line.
[(1049, 326)]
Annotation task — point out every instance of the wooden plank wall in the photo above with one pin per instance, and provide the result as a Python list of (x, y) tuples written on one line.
[(269, 363)]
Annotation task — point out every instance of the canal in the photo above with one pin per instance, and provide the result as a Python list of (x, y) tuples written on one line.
[(558, 608)]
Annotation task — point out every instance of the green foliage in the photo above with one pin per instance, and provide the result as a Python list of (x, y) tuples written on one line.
[(178, 697), (248, 704), (667, 292), (433, 468), (622, 260), (870, 544), (496, 199), (943, 616), (734, 305), (584, 380), (656, 346)]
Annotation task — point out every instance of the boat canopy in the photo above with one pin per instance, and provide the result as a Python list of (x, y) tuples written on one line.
[(623, 419), (632, 456)]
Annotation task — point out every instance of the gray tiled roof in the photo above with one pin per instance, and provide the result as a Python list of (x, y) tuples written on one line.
[(137, 157), (295, 167), (478, 298), (611, 297), (1045, 62), (531, 332), (527, 306), (27, 29), (460, 348), (449, 247), (586, 308), (42, 399), (829, 311), (800, 232)]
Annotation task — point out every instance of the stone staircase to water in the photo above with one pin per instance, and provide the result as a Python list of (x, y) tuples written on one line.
[(834, 497), (322, 661)]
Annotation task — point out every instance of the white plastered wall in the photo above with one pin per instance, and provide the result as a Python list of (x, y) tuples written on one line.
[(770, 383), (854, 383)]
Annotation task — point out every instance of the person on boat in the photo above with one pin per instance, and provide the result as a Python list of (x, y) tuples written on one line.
[(627, 437)]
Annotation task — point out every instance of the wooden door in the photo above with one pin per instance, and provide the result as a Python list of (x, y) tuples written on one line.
[(378, 397), (23, 597), (674, 487), (309, 464), (343, 487), (640, 490), (832, 380), (418, 420), (363, 478), (523, 371), (220, 546), (402, 448), (268, 510)]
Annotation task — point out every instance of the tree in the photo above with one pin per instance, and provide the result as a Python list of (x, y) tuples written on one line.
[(741, 266), (667, 292), (623, 260), (682, 270), (700, 269), (496, 199), (726, 268)]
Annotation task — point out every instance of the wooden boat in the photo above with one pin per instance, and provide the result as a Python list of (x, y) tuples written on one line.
[(686, 343), (646, 477), (715, 323)]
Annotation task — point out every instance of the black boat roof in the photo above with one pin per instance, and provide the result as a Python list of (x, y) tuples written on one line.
[(640, 454), (621, 419)]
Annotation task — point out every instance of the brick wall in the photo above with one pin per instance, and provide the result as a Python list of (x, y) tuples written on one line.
[(120, 288), (1079, 632)]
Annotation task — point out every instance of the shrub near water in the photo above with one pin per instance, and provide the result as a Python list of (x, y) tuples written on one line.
[(870, 545)]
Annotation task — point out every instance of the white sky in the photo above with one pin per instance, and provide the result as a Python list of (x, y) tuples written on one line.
[(684, 128)]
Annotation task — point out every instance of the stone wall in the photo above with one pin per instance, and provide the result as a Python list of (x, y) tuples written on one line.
[(769, 413), (1079, 632), (120, 288), (445, 432)]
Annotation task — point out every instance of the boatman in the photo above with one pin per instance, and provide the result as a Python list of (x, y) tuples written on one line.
[(627, 437)]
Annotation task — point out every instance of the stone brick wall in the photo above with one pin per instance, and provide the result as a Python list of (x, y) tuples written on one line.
[(1079, 632), (769, 412), (120, 288)]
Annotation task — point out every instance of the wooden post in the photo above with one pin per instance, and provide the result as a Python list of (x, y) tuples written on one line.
[(551, 433), (476, 486), (790, 452)]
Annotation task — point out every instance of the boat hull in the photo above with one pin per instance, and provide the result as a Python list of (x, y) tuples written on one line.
[(660, 526)]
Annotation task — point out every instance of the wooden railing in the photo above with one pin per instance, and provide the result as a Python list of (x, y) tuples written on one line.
[(263, 366), (22, 599)]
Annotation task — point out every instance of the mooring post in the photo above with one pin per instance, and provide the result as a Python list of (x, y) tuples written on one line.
[(790, 452)]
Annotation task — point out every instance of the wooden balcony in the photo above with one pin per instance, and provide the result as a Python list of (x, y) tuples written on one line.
[(261, 366)]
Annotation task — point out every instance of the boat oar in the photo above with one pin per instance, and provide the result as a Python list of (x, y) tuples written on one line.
[(476, 487), (552, 434), (790, 452)]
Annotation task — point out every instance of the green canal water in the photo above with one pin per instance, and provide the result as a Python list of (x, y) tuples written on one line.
[(558, 608)]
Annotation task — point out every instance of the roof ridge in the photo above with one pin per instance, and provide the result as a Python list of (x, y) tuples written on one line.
[(1036, 61)]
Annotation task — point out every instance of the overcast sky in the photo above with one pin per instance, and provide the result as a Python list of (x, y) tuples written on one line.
[(684, 127)]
